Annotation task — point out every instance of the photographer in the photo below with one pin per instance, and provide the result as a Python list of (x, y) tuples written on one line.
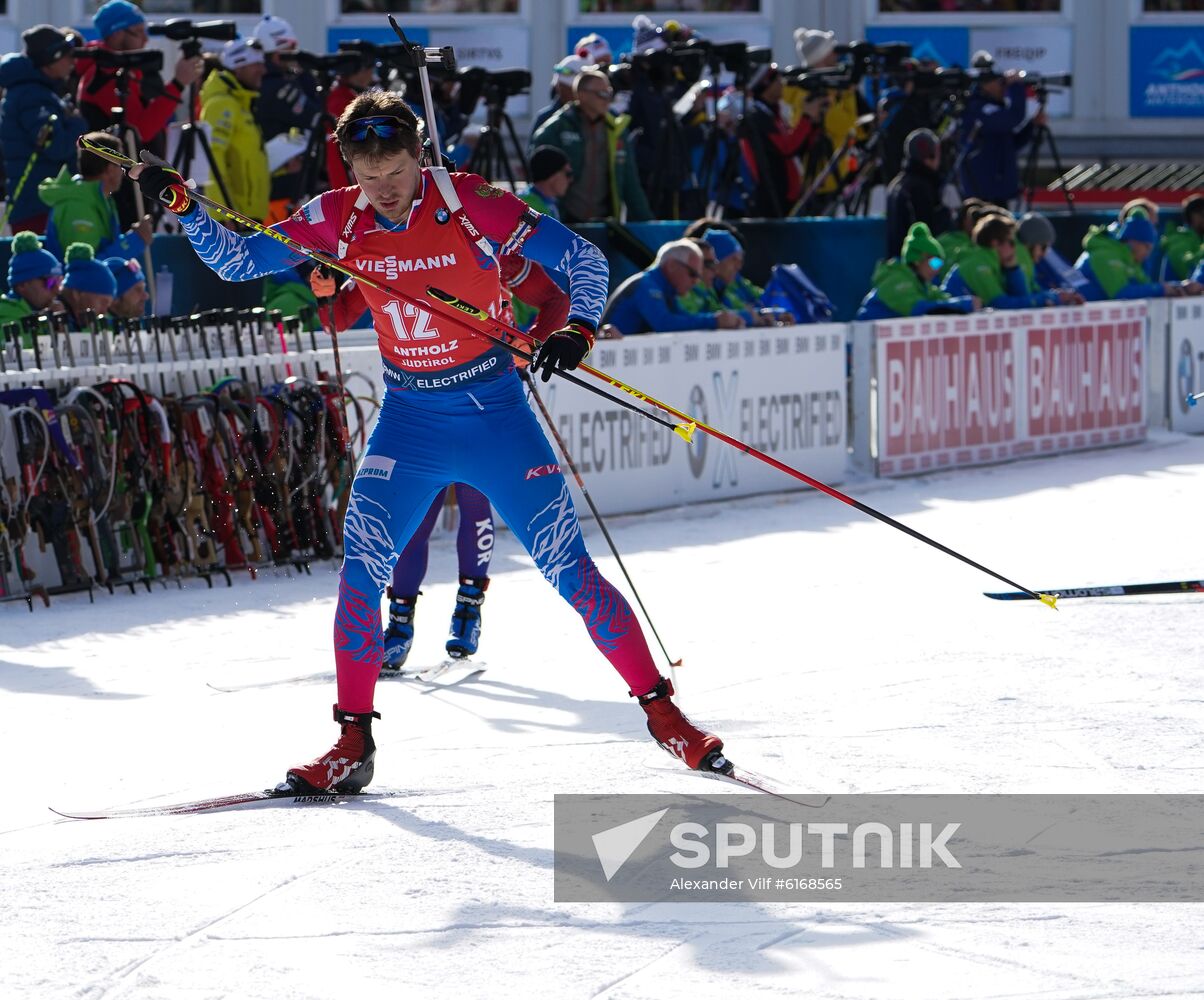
[(773, 145), (37, 132), (915, 194), (994, 130), (604, 182), (227, 103), (288, 96), (355, 80), (840, 107), (564, 74), (148, 107)]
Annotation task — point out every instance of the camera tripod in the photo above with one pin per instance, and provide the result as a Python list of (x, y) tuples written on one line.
[(489, 157), (191, 133), (1041, 134), (733, 155)]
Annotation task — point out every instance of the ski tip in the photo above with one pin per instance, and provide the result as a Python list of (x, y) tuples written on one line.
[(1049, 599), (686, 431)]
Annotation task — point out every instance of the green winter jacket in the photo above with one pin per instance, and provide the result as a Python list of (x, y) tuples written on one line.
[(981, 271), (563, 130), (899, 288), (701, 298), (286, 292), (80, 212), (955, 243), (12, 310), (1182, 250), (1108, 263), (228, 108)]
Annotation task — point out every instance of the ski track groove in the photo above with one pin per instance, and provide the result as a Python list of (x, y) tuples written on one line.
[(119, 979), (647, 965)]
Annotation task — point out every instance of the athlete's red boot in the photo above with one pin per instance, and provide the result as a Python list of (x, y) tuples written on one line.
[(346, 766), (672, 730)]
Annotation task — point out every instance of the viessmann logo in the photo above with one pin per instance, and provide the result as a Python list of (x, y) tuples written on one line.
[(824, 846), (392, 266)]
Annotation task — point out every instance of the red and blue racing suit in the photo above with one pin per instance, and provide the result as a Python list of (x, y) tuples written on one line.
[(454, 409)]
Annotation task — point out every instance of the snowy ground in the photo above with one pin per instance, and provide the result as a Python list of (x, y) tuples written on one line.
[(823, 646)]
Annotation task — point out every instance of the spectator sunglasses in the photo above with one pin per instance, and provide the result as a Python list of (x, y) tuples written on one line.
[(383, 126)]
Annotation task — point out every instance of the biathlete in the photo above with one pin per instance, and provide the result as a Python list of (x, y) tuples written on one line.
[(342, 307), (453, 409)]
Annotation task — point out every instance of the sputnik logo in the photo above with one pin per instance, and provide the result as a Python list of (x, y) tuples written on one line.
[(616, 845)]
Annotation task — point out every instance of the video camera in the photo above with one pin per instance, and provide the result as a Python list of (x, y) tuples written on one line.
[(333, 64), (140, 59), (494, 86), (397, 55), (820, 81), (190, 32)]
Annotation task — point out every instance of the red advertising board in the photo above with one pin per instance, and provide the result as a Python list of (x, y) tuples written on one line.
[(955, 391)]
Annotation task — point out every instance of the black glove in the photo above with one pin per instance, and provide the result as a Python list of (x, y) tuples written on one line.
[(564, 350), (163, 184)]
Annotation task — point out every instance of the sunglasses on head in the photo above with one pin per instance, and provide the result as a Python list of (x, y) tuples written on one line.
[(383, 126)]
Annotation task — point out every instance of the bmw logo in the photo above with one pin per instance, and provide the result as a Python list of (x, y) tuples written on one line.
[(442, 215)]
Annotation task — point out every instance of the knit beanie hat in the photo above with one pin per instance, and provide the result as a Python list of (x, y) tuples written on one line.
[(813, 45), (567, 69), (593, 47), (921, 144), (127, 273), (240, 52), (1138, 227), (920, 245), (545, 161), (722, 242), (116, 15), (86, 274), (1035, 229), (647, 34), (275, 34), (45, 44), (30, 261)]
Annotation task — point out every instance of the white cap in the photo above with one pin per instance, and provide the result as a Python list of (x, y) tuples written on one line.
[(240, 52), (567, 69), (283, 147), (813, 45), (275, 34)]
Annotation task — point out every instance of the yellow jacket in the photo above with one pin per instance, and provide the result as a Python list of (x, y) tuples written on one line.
[(238, 148), (841, 117)]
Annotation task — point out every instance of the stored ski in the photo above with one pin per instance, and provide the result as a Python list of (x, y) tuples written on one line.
[(240, 800), (734, 775), (1117, 590)]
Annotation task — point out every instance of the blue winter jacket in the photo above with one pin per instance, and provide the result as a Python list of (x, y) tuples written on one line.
[(990, 168), (646, 303), (30, 98)]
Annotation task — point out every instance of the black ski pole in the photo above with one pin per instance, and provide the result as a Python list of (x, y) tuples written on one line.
[(568, 460)]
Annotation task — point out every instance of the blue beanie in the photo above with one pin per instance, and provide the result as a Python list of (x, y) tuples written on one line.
[(1138, 227), (30, 261), (116, 15), (722, 242), (86, 274), (127, 273)]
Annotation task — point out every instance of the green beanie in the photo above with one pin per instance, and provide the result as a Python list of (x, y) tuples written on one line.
[(920, 245)]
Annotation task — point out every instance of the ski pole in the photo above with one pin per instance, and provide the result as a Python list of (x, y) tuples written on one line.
[(39, 144), (568, 459), (685, 429), (332, 331), (695, 423)]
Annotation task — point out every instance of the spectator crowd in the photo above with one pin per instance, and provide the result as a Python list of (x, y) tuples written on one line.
[(648, 134)]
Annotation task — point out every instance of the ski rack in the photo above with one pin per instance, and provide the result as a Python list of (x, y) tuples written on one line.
[(146, 452)]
